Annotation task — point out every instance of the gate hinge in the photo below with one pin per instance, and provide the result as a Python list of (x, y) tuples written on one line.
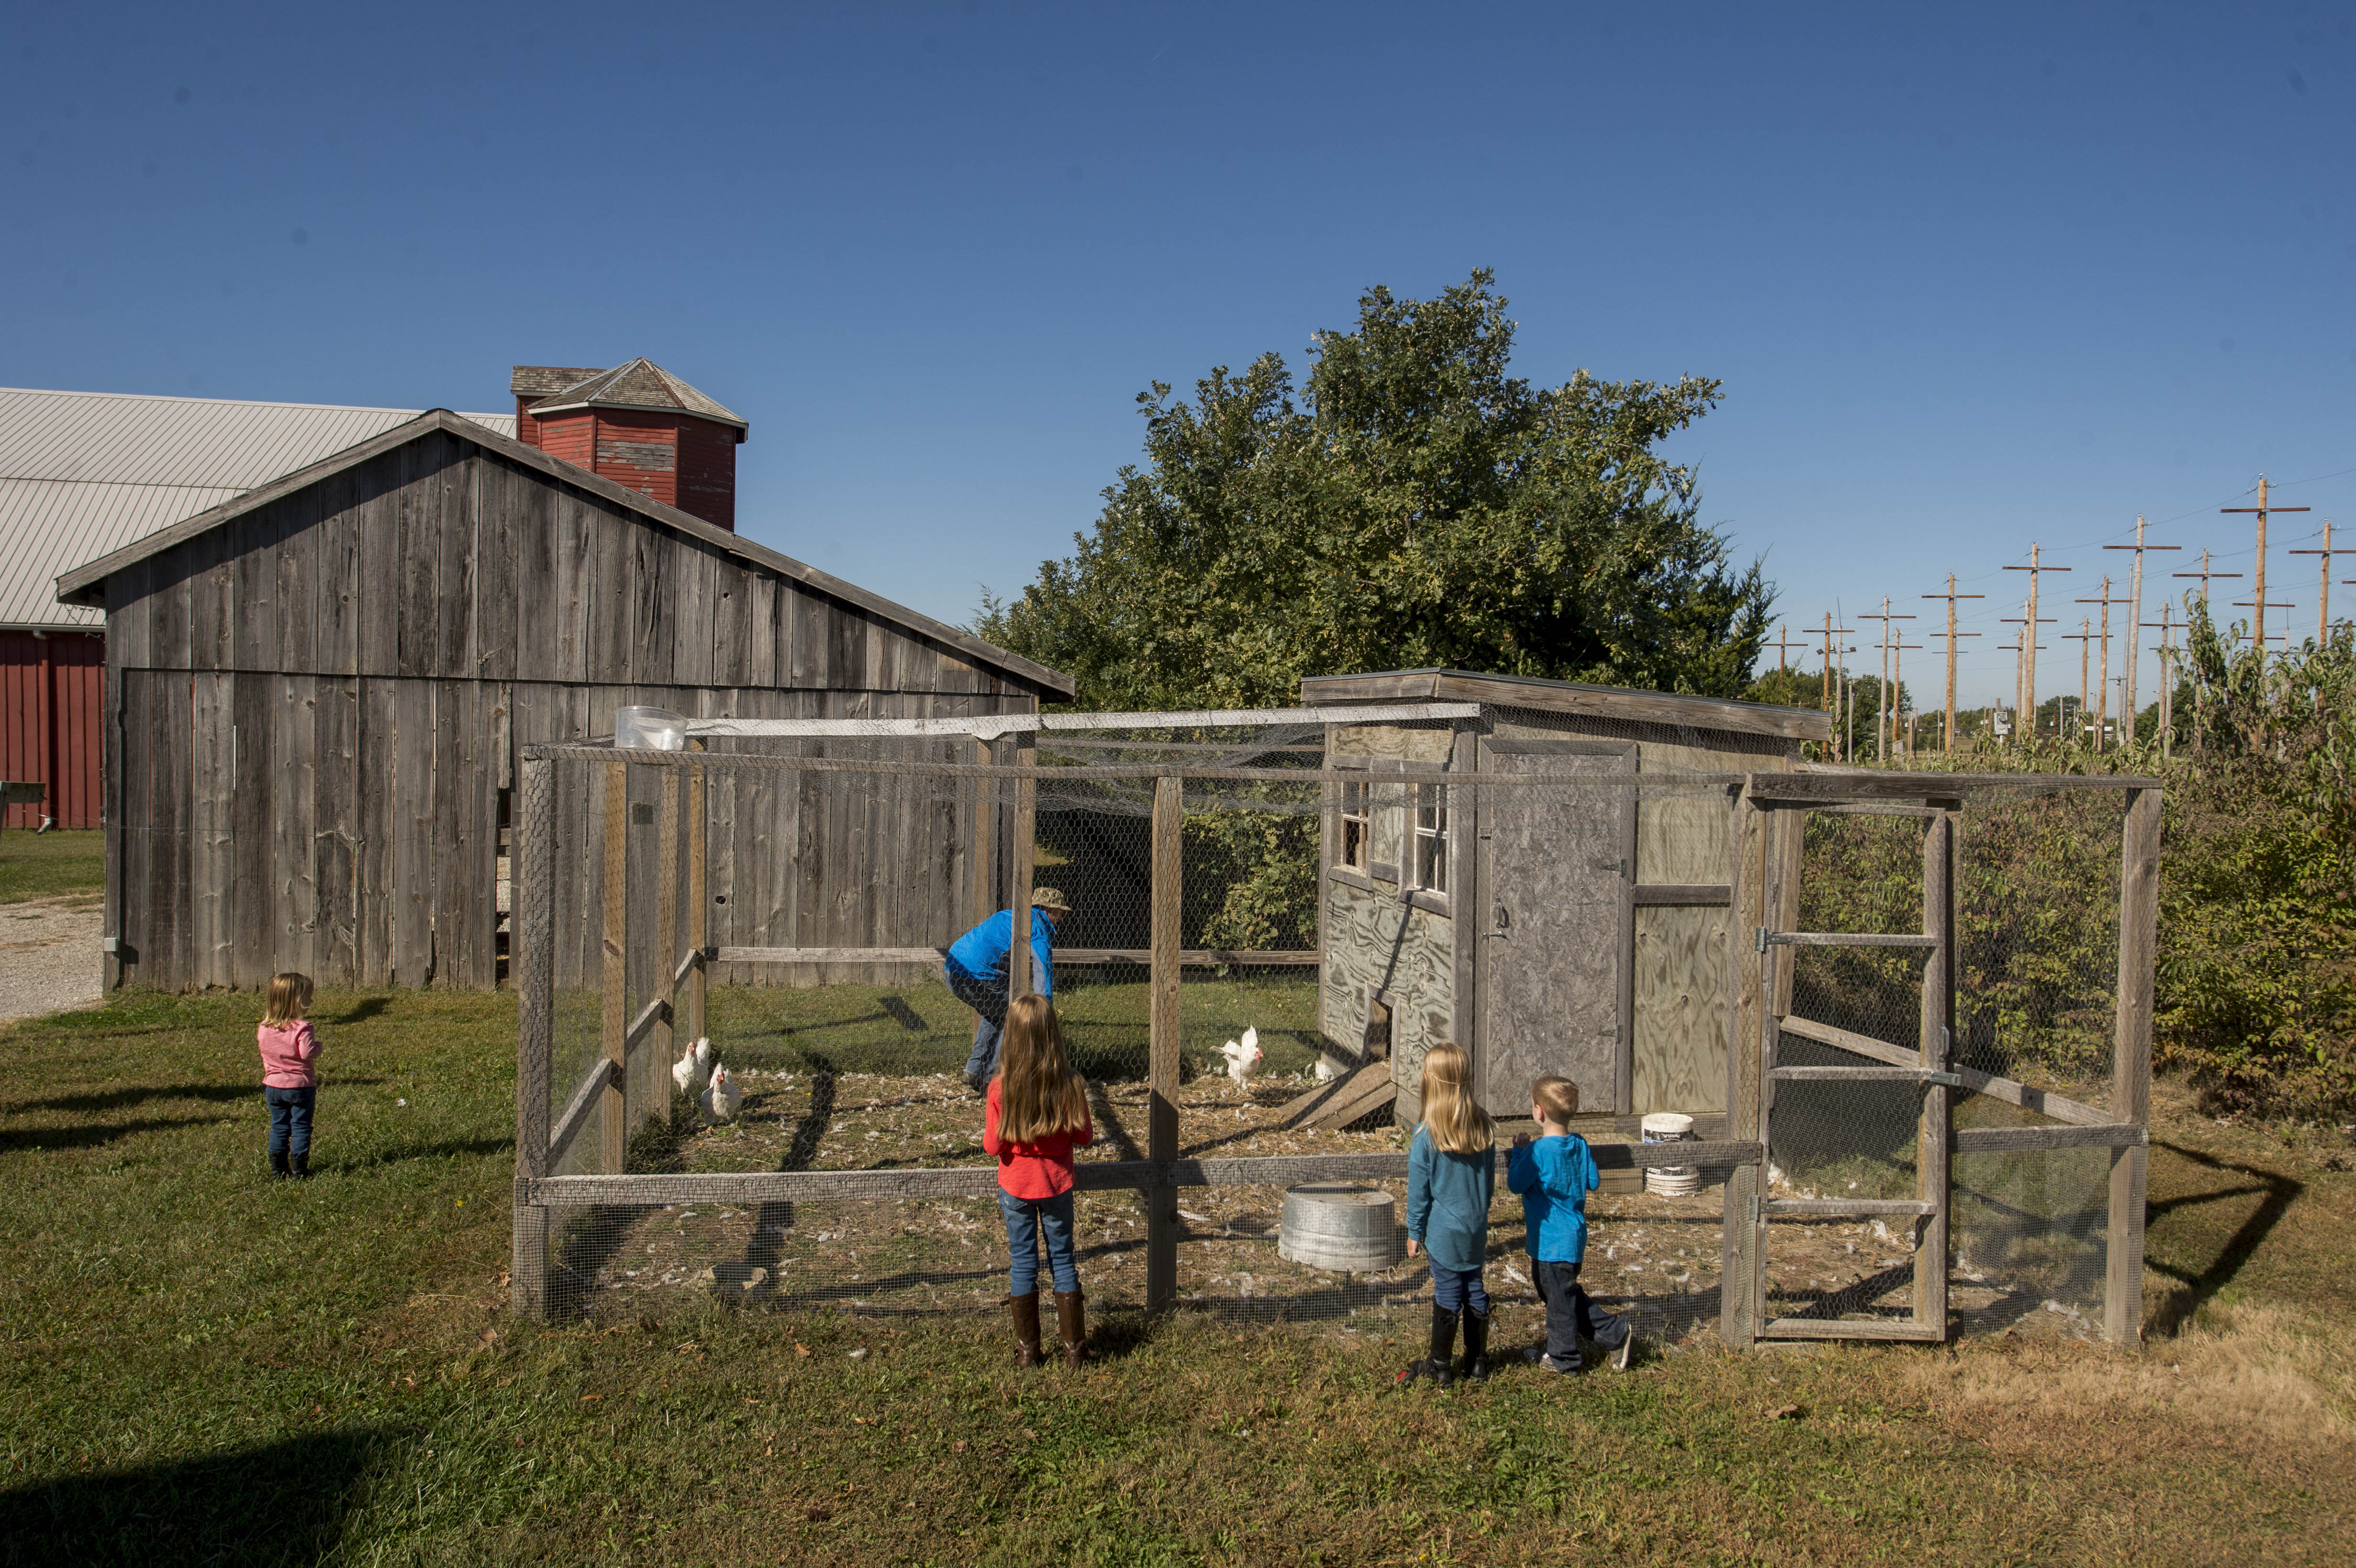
[(1946, 1080), (1759, 940)]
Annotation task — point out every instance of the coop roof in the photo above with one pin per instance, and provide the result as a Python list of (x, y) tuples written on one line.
[(640, 384), (86, 584), (85, 474), (1571, 697)]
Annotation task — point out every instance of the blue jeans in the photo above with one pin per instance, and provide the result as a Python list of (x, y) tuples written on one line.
[(1028, 1219), (988, 999), (1454, 1288), (290, 1119), (1570, 1316)]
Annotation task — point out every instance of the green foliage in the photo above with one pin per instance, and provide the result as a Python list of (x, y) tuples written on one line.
[(1416, 506), (60, 865)]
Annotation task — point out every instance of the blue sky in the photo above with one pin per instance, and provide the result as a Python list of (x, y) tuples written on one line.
[(1972, 276)]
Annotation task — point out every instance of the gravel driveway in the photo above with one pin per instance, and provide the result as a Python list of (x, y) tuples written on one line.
[(49, 957)]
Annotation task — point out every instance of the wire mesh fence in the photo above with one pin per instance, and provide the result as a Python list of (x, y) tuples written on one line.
[(1560, 898)]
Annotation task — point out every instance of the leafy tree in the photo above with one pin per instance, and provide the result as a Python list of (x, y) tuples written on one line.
[(1414, 505)]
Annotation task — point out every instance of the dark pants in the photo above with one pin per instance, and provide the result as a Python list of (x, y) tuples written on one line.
[(290, 1119), (988, 999), (1454, 1289), (1570, 1316)]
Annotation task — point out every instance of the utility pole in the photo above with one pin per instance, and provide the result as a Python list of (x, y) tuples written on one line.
[(2024, 683), (1784, 644), (2102, 693), (2204, 574), (2166, 684), (1948, 735), (2083, 636), (2134, 614), (2201, 691), (2029, 644), (1898, 693), (1885, 712), (2323, 604), (2259, 628), (1838, 747)]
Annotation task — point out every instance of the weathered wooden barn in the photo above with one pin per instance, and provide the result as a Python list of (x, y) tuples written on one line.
[(315, 693), (1544, 930)]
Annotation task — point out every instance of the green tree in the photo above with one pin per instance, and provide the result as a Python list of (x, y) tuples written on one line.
[(1415, 505)]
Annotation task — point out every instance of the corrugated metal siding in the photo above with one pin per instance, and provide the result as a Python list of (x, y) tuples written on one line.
[(82, 473), (49, 724)]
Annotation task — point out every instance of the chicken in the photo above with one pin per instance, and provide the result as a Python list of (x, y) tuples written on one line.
[(692, 1071), (721, 1097), (1243, 1056), (1326, 1070)]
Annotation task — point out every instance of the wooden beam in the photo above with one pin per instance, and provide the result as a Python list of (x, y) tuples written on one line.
[(655, 1015), (1834, 1207), (667, 922), (588, 1098), (1168, 891), (1849, 939), (1569, 697), (1832, 786), (1933, 1131), (1912, 1072), (532, 937), (2131, 1064), (1750, 977), (1850, 1328), (612, 1027), (1196, 958), (1021, 846), (1666, 895), (2011, 1093), (2007, 1140), (692, 963), (699, 898), (829, 954)]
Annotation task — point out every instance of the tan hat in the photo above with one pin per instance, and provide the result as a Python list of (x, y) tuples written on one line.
[(1049, 899)]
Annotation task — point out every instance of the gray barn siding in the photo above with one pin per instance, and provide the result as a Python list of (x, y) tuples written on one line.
[(319, 703)]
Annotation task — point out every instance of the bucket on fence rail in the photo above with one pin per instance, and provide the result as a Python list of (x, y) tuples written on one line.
[(1670, 1180), (1340, 1226)]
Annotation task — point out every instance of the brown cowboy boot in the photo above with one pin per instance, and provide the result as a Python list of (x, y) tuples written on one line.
[(1071, 1325), (1026, 1328)]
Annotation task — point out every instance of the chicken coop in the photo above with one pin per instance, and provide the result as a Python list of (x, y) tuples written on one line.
[(1908, 1013)]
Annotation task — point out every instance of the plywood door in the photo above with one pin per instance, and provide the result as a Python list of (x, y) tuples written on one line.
[(1554, 945)]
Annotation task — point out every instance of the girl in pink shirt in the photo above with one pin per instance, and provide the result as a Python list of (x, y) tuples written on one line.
[(1038, 1113), (289, 1081)]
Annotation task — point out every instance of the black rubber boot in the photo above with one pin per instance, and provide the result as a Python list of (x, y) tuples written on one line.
[(301, 1165), (1476, 1346), (1435, 1365), (277, 1162)]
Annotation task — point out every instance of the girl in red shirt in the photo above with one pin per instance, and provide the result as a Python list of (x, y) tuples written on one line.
[(290, 1082), (1038, 1114)]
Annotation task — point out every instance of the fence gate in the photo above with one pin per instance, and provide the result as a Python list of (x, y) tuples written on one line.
[(1855, 967)]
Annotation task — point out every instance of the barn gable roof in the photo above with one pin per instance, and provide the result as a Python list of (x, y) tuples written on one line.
[(86, 584), (640, 384)]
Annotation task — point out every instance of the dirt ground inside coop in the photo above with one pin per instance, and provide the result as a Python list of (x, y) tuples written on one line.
[(1654, 1257)]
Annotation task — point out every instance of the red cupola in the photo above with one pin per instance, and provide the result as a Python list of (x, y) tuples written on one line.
[(638, 425)]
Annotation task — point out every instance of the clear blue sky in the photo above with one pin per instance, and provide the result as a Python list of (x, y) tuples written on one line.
[(1972, 276)]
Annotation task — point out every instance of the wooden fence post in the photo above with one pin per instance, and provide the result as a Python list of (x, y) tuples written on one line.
[(1019, 982), (666, 946), (2131, 1064), (1933, 1136), (532, 939), (1161, 1122), (1738, 1311), (698, 897), (614, 1128)]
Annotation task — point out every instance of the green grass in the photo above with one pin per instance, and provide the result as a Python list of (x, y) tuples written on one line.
[(203, 1367), (52, 865)]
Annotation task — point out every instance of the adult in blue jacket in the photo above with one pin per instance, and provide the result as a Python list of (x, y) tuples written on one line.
[(975, 973)]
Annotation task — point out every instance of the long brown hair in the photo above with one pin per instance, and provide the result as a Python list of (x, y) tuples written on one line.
[(1456, 1120), (290, 998), (1039, 1095)]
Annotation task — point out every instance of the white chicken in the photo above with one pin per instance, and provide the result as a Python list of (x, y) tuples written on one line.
[(692, 1071), (1326, 1070), (1243, 1056), (721, 1097)]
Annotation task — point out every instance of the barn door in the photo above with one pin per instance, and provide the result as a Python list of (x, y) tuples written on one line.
[(1554, 962), (1856, 970)]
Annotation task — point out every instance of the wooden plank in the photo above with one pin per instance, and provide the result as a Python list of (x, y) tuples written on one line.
[(613, 945), (378, 497), (294, 594), (1669, 895), (254, 904), (2131, 1063), (1324, 1095), (667, 922), (1849, 939), (212, 833), (1362, 1093), (1566, 697), (1834, 785), (1838, 1206), (417, 561), (1680, 1022), (699, 901), (1910, 1072), (1850, 1328), (1934, 1131), (531, 951), (1747, 970), (335, 828), (373, 901), (2042, 1102), (655, 1015), (1464, 892), (1021, 846), (597, 1087), (829, 954), (2005, 1140), (1624, 948), (411, 765), (1196, 958), (166, 958), (293, 788), (1168, 891), (494, 487)]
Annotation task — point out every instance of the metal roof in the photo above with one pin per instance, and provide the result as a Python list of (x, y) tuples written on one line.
[(84, 473)]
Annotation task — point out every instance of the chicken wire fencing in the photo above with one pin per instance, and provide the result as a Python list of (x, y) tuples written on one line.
[(1344, 896)]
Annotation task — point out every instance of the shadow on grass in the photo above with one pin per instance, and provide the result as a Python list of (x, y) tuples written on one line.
[(2193, 1289), (53, 1140), (445, 1150), (362, 1010), (135, 1094), (276, 1503)]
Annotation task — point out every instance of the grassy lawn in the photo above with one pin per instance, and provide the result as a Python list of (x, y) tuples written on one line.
[(204, 1367), (52, 865)]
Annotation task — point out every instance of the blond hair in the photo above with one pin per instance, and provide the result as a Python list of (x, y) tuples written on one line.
[(1558, 1094), (1453, 1118), (1039, 1095), (290, 998)]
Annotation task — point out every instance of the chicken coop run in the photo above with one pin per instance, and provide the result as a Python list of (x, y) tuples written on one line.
[(1905, 1016)]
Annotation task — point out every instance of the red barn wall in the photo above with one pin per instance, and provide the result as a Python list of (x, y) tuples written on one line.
[(49, 731), (641, 451)]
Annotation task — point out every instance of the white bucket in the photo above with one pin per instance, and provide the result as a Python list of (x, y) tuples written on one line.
[(1670, 1180)]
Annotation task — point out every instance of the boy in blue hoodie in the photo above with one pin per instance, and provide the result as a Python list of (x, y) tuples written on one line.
[(1554, 1173)]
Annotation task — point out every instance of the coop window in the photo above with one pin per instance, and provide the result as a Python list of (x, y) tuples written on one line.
[(1430, 859), (1358, 826)]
